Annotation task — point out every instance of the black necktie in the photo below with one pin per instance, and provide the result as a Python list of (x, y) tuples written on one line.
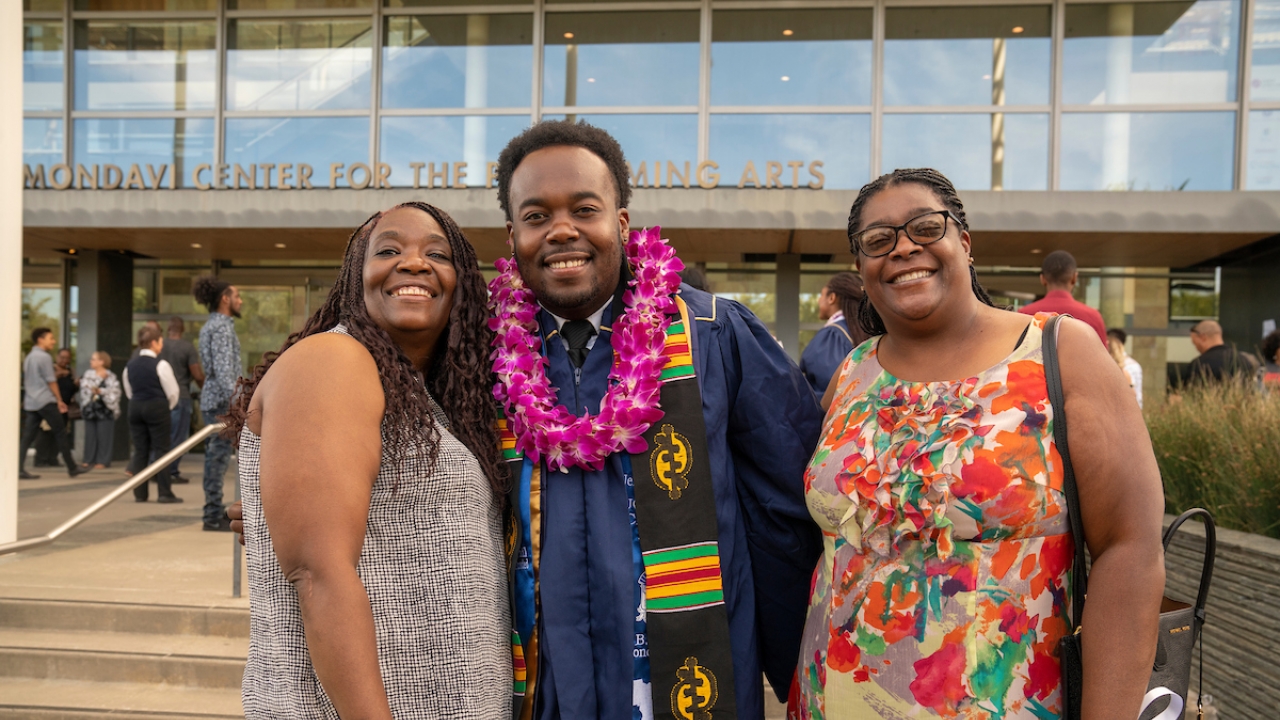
[(577, 333)]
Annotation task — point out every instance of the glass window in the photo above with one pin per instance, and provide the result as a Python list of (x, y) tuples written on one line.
[(42, 141), (967, 55), (145, 65), (1001, 151), (42, 66), (1148, 151), (453, 61), (638, 58), (652, 143), (831, 151), (449, 151), (445, 3), (1264, 150), (296, 4), (791, 57), (304, 64), (180, 143), (1159, 52), (42, 5), (143, 5), (319, 143), (1265, 80)]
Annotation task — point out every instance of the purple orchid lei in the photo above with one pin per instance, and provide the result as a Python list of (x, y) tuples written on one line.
[(543, 429)]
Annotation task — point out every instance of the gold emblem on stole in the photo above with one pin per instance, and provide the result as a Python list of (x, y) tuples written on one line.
[(670, 461), (695, 693)]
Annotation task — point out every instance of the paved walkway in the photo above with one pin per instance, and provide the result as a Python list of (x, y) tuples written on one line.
[(129, 552)]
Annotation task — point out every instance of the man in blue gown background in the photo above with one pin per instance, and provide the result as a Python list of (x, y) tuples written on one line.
[(564, 188)]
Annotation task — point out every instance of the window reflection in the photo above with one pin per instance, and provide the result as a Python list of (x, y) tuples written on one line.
[(42, 5), (42, 66), (140, 5), (42, 140), (967, 55), (1264, 150), (445, 3), (303, 64), (1160, 52), (145, 65), (1001, 151), (1265, 79), (439, 144), (296, 4), (791, 57), (1148, 151), (318, 143), (453, 61), (831, 151), (654, 146), (180, 143), (634, 58)]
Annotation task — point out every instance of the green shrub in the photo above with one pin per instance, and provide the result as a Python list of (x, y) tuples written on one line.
[(1219, 448)]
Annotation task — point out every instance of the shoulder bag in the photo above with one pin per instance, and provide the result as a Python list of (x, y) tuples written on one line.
[(1180, 622)]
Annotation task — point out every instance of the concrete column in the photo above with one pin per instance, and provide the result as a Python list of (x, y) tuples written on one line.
[(477, 96), (105, 278), (1112, 297), (786, 317), (1115, 128), (10, 263), (1151, 311)]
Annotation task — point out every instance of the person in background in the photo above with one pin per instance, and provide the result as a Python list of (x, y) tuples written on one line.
[(1271, 361), (153, 324), (220, 360), (42, 400), (1059, 276), (1130, 366), (694, 277), (185, 361), (1218, 361), (46, 446), (826, 352), (153, 392), (99, 407)]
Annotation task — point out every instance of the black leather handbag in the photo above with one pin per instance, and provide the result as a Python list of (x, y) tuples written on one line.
[(1180, 622)]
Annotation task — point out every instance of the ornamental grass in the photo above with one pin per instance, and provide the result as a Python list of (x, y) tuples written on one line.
[(1218, 447)]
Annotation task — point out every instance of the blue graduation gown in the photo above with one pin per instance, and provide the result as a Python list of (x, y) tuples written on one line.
[(823, 356), (762, 425)]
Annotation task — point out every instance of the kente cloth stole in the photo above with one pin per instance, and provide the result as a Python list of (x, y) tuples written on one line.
[(690, 662)]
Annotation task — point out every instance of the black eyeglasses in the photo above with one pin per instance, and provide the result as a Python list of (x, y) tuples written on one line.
[(880, 240)]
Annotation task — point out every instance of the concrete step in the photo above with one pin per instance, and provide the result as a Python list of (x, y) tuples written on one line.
[(27, 699), (223, 622)]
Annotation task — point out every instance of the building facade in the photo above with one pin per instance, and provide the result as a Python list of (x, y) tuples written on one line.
[(169, 138)]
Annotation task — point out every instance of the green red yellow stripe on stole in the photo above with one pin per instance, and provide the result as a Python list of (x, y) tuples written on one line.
[(683, 578), (517, 655), (679, 357), (506, 440)]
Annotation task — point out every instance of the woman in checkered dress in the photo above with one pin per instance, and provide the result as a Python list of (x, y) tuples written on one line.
[(372, 489)]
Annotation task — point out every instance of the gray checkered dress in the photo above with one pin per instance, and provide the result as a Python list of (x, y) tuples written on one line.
[(433, 567)]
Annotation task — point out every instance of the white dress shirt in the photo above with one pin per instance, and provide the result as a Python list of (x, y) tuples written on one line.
[(167, 381), (595, 319)]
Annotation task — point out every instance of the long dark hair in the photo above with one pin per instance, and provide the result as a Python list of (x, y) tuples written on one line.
[(848, 289), (868, 318), (460, 379)]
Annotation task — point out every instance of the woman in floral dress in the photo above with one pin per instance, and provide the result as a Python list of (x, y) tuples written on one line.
[(943, 588)]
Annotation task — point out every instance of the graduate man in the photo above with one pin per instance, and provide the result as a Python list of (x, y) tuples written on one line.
[(659, 583)]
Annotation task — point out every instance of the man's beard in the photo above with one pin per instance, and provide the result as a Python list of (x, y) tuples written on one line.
[(234, 313)]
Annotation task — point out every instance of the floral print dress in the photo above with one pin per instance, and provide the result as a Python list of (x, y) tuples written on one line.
[(943, 587)]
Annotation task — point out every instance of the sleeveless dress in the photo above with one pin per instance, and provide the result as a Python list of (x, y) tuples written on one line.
[(434, 569), (943, 587)]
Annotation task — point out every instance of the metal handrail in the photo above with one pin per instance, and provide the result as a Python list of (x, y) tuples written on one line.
[(146, 474)]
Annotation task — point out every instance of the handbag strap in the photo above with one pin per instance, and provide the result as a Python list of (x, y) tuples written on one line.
[(1053, 382), (1210, 550)]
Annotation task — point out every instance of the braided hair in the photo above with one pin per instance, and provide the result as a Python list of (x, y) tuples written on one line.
[(868, 318), (848, 289), (459, 378)]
